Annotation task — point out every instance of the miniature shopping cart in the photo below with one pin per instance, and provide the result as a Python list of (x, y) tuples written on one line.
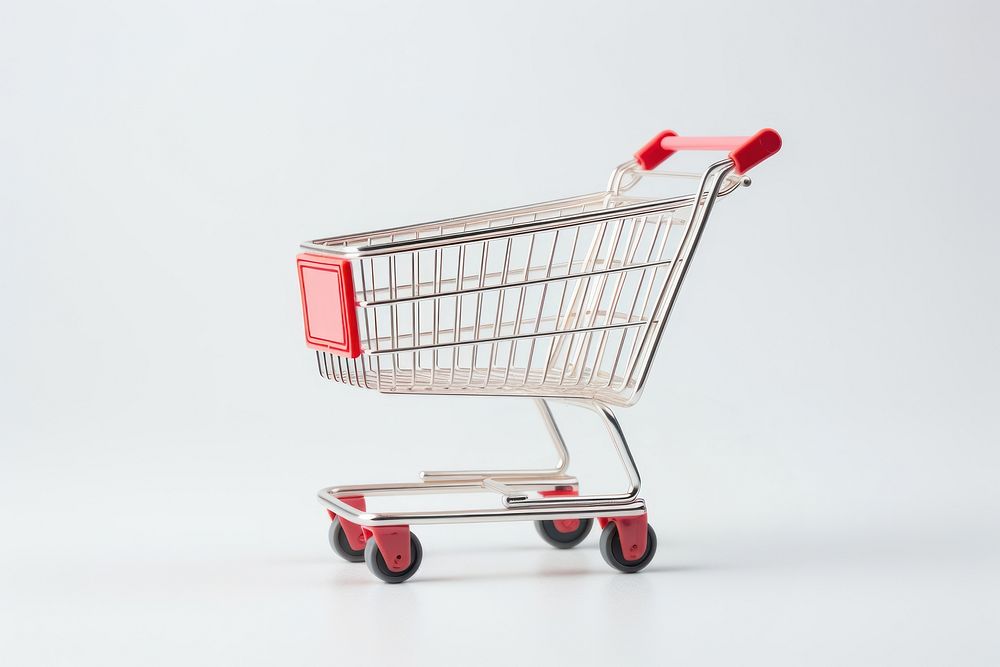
[(565, 300)]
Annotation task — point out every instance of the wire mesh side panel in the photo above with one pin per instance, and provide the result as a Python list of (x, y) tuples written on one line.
[(555, 312)]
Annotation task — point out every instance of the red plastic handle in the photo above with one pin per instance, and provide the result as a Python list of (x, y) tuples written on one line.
[(745, 152)]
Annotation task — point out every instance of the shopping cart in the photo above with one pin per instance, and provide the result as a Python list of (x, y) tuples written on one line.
[(564, 300)]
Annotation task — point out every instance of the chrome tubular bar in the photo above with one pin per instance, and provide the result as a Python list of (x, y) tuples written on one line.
[(624, 455), (464, 229), (365, 518), (562, 454), (499, 339), (716, 173), (511, 285), (511, 485)]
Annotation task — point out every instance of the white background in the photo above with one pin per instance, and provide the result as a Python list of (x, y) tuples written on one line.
[(819, 437)]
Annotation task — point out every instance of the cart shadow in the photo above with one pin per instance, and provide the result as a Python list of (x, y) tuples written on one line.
[(550, 573), (532, 574)]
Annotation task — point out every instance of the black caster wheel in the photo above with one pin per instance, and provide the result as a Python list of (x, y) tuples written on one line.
[(340, 545), (611, 549), (561, 540), (377, 566)]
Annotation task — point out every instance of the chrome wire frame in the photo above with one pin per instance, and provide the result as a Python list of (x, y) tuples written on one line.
[(563, 299), (513, 486)]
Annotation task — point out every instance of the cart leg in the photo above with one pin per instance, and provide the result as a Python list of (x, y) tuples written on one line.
[(562, 457), (567, 532), (513, 485), (589, 502), (627, 543), (632, 534), (353, 532), (394, 544), (563, 525)]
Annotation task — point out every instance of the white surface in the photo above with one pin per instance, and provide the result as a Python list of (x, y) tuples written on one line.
[(819, 439)]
